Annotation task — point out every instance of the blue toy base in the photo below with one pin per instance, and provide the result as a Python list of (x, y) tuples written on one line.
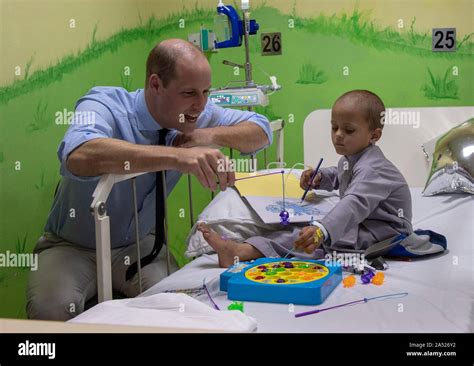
[(288, 281)]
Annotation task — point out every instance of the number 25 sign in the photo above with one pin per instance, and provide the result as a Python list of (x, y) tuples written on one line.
[(271, 43)]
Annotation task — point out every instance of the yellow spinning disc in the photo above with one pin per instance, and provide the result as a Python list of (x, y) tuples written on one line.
[(286, 272)]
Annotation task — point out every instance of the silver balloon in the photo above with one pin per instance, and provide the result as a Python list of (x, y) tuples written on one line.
[(452, 162)]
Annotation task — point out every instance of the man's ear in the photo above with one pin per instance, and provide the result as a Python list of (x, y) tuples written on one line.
[(155, 84), (375, 135)]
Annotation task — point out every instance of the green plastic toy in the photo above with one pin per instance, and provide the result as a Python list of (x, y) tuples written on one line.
[(236, 305)]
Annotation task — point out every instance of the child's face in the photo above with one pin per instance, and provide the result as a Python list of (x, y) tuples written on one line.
[(350, 130)]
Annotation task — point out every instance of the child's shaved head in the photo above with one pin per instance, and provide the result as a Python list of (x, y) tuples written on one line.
[(367, 103)]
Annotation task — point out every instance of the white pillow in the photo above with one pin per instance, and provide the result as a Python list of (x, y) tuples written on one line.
[(229, 216)]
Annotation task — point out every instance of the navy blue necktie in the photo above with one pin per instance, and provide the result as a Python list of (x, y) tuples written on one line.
[(159, 217)]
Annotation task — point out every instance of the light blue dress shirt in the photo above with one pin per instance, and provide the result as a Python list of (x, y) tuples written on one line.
[(109, 112)]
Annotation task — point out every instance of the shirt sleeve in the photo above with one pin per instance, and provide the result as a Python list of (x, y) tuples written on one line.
[(217, 116), (364, 193), (329, 180), (170, 136), (91, 120)]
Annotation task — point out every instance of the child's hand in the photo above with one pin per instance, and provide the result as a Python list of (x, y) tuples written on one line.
[(310, 239), (306, 177)]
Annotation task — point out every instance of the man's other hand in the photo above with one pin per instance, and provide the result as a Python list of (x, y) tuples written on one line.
[(208, 165)]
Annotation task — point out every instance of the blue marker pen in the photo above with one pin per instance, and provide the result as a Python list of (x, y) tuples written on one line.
[(311, 181)]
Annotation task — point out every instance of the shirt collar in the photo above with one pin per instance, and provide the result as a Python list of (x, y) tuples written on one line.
[(145, 120), (354, 158)]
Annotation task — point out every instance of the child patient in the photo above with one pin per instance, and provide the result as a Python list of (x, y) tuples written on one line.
[(375, 199)]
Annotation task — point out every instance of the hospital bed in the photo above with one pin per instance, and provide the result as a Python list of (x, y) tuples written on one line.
[(440, 288)]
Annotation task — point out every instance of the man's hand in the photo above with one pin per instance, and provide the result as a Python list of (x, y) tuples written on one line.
[(207, 165), (310, 239), (199, 137), (305, 180)]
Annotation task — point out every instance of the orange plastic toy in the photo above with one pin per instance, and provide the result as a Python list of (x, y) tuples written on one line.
[(349, 281), (378, 279)]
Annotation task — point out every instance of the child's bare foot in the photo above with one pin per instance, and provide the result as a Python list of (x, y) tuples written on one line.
[(226, 249)]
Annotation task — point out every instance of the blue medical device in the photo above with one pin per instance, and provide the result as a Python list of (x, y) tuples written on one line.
[(277, 280), (235, 27)]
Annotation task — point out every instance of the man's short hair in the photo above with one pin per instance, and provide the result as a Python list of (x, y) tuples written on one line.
[(369, 104), (163, 60)]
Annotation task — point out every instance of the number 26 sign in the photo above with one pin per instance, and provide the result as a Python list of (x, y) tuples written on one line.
[(271, 43)]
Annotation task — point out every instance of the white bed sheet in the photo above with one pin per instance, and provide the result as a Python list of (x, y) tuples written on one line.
[(440, 289)]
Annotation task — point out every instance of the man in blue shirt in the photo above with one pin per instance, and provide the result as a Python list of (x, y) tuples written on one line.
[(115, 131)]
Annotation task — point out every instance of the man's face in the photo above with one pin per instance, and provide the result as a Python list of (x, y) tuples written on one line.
[(350, 131), (181, 102)]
